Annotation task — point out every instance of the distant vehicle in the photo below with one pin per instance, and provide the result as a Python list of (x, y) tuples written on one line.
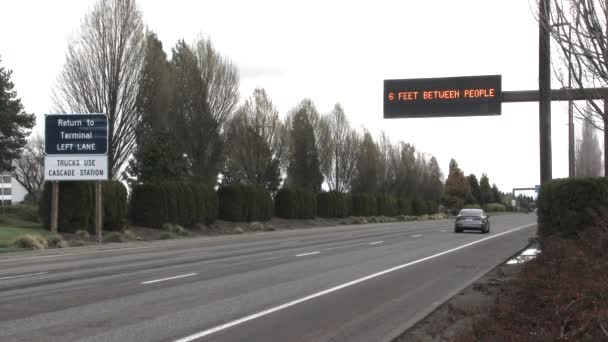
[(473, 219)]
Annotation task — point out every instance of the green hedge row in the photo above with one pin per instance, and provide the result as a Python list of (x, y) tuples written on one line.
[(181, 203), (295, 204), (241, 202), (566, 206), (495, 207), (387, 206), (77, 206), (364, 205), (334, 204)]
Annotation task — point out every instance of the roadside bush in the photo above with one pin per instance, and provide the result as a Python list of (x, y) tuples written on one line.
[(114, 205), (176, 202), (114, 237), (82, 234), (404, 206), (565, 206), (495, 207), (26, 212), (420, 207), (76, 206), (174, 229), (131, 235), (387, 206), (471, 206), (333, 204), (55, 241), (241, 202), (295, 204), (364, 205), (30, 241)]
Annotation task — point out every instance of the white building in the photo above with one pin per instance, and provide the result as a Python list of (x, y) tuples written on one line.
[(10, 190)]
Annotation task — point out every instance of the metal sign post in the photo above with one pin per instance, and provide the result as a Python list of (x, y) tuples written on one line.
[(76, 149)]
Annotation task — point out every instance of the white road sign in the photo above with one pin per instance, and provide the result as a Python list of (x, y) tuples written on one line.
[(76, 167)]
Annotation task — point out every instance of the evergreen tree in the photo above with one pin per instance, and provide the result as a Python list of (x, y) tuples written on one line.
[(303, 170), (486, 190), (15, 124), (475, 188), (368, 158), (496, 197)]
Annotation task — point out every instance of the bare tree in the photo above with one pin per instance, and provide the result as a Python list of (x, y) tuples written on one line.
[(342, 143), (580, 29), (256, 143), (220, 80), (102, 71), (588, 154), (29, 168)]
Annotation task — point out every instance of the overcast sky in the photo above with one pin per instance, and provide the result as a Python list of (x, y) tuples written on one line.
[(337, 51)]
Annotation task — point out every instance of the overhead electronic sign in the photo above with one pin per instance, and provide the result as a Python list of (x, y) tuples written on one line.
[(439, 97)]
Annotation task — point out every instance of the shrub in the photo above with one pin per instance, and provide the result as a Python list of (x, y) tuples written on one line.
[(174, 229), (26, 212), (76, 206), (114, 205), (387, 206), (565, 206), (240, 202), (182, 203), (131, 235), (56, 241), (364, 205), (333, 204), (114, 237), (495, 207), (82, 234), (30, 241), (404, 206), (166, 236), (295, 204), (472, 206), (419, 207)]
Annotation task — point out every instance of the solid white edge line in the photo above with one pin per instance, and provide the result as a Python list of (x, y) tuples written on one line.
[(305, 254), (170, 278), (335, 288), (376, 242), (417, 235), (24, 275)]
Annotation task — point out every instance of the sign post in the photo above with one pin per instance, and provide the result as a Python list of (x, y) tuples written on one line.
[(76, 149)]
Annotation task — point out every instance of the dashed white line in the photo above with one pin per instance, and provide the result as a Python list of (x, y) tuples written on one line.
[(444, 230), (24, 275), (334, 289), (417, 235), (305, 254), (376, 242), (170, 278)]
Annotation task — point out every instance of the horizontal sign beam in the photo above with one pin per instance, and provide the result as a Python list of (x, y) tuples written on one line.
[(556, 95)]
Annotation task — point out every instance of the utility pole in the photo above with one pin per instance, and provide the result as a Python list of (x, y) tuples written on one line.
[(544, 88), (571, 153)]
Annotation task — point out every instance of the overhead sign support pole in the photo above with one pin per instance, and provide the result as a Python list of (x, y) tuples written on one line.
[(54, 205), (544, 87)]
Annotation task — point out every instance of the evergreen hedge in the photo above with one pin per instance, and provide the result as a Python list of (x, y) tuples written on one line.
[(387, 206), (241, 202), (334, 204), (567, 206), (180, 203), (295, 204), (77, 206), (364, 205)]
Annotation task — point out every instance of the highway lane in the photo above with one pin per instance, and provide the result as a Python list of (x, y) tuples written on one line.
[(346, 283)]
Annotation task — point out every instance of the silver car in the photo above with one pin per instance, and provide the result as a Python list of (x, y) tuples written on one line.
[(474, 219)]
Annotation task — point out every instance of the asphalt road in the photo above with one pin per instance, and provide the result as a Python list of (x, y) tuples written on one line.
[(347, 283)]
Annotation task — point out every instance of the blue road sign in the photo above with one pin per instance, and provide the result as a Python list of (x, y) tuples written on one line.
[(76, 134), (537, 188)]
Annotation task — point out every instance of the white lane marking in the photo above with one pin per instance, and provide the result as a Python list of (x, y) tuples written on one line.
[(376, 242), (444, 230), (417, 235), (305, 254), (170, 278), (335, 288), (345, 246), (24, 275)]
